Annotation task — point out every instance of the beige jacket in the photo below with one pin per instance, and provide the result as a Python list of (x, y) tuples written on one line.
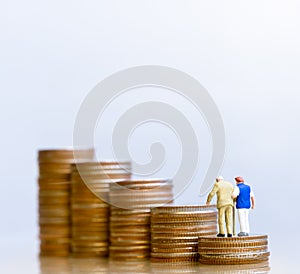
[(223, 190)]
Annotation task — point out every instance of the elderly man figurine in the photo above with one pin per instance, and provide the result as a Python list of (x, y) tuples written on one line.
[(224, 204), (244, 201)]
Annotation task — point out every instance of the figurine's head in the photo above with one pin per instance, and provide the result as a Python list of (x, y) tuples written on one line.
[(239, 180), (219, 178)]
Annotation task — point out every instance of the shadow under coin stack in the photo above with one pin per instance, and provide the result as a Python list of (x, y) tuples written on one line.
[(236, 250), (90, 213), (54, 199), (175, 231), (131, 202)]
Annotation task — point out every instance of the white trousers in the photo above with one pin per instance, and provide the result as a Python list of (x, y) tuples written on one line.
[(243, 214)]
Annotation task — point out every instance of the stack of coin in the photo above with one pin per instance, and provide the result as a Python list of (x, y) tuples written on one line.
[(54, 198), (236, 250), (175, 231), (89, 210), (130, 215)]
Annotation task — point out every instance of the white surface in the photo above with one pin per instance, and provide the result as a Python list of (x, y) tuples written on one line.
[(247, 54)]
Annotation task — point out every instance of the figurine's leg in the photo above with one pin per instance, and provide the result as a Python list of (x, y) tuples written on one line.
[(241, 214), (228, 219), (247, 228), (221, 219)]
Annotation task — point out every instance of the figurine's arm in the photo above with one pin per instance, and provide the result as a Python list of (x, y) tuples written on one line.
[(212, 194), (235, 192), (252, 202), (252, 199)]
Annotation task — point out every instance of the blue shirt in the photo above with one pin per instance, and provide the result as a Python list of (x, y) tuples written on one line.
[(243, 199)]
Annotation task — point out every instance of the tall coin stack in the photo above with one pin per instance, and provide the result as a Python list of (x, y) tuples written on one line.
[(54, 199), (236, 250), (175, 231), (90, 214), (131, 202)]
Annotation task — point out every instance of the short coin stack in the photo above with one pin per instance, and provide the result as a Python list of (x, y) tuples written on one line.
[(54, 199), (175, 231), (237, 250), (130, 217), (90, 214)]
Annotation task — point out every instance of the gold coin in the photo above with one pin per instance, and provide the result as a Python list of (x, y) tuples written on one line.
[(50, 194), (183, 220), (104, 228), (54, 230), (254, 243), (144, 181), (88, 253), (89, 237), (129, 248), (63, 201), (129, 213), (188, 249), (233, 239), (45, 238), (184, 214), (63, 154), (245, 256), (54, 212), (172, 240), (161, 245), (54, 220), (181, 235), (175, 260), (89, 244), (128, 257), (118, 241), (82, 220), (54, 168), (180, 229), (174, 255), (52, 182), (57, 240), (183, 209), (54, 253), (220, 251)]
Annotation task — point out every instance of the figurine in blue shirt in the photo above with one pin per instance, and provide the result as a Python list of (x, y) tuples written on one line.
[(244, 201)]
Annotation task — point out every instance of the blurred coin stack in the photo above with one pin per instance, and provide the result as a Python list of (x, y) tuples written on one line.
[(131, 202), (237, 250), (89, 213), (175, 231), (258, 268), (54, 198)]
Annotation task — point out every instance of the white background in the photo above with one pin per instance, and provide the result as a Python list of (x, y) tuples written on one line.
[(246, 53)]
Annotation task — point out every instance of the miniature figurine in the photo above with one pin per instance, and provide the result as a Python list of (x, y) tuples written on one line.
[(244, 201), (224, 204)]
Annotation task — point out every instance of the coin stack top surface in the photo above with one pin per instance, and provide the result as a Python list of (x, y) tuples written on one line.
[(89, 208), (54, 198), (130, 222), (175, 231), (236, 250)]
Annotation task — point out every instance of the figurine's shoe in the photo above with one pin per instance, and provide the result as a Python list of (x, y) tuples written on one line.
[(242, 234), (229, 235), (221, 235)]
